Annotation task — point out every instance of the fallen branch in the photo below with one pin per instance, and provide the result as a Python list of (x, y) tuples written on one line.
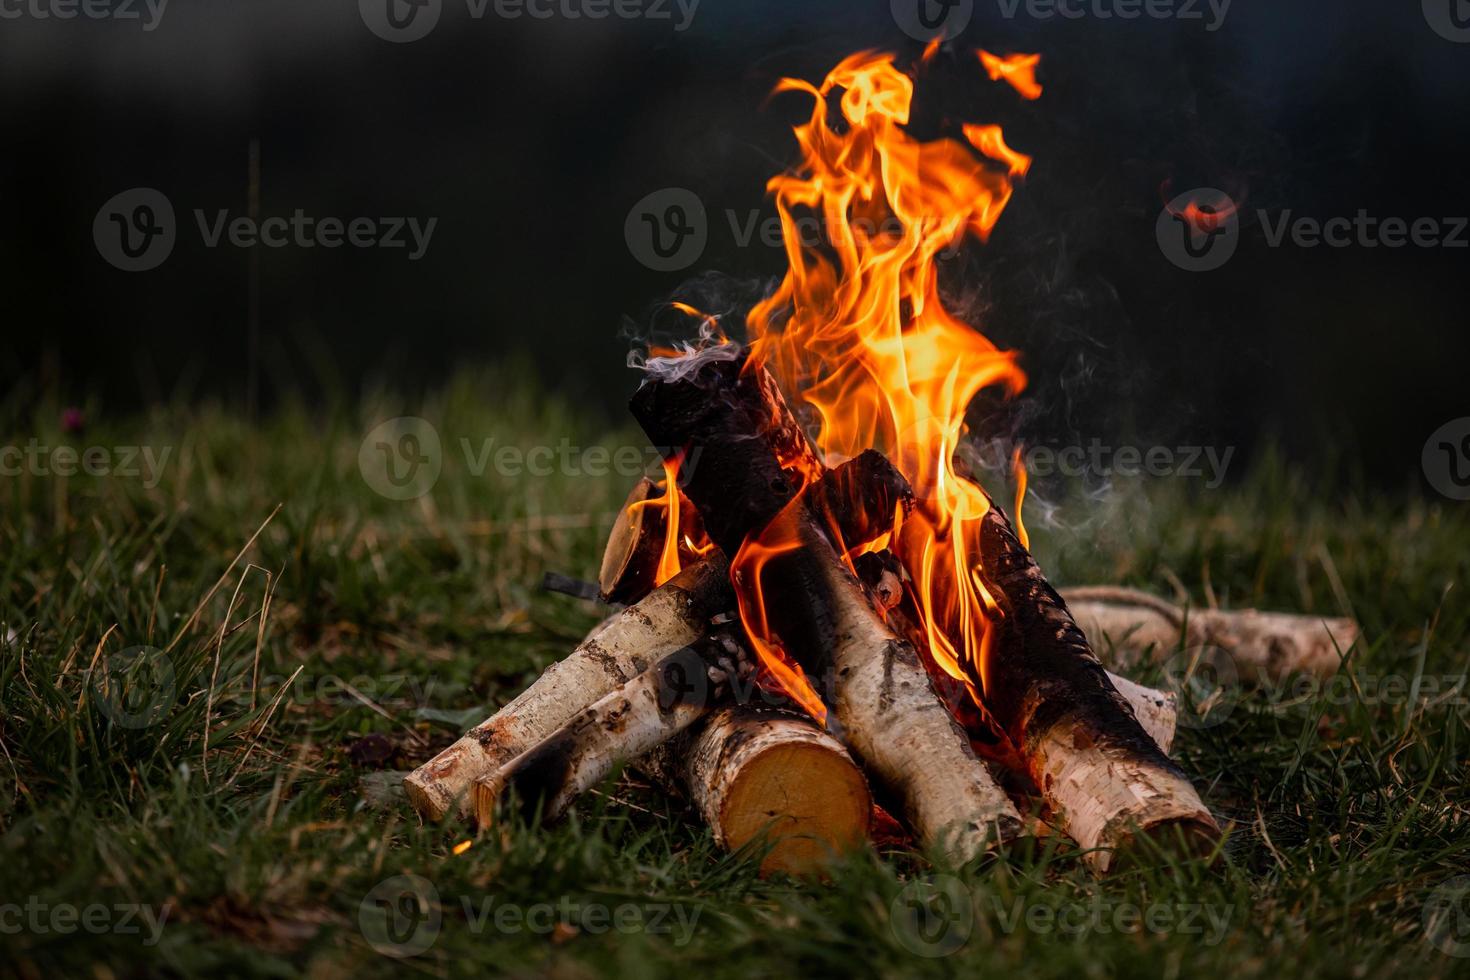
[(1264, 647)]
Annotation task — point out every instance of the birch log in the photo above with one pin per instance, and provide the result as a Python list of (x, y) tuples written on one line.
[(1264, 647), (1105, 781), (638, 716), (670, 617), (773, 777)]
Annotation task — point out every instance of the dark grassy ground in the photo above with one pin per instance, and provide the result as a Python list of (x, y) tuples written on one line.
[(357, 634)]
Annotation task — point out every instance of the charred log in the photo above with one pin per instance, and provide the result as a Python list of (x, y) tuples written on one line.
[(753, 459)]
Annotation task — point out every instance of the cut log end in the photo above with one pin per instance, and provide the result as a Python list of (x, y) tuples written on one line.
[(630, 559), (768, 778)]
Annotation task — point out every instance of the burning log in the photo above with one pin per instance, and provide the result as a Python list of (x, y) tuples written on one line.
[(772, 776), (753, 461), (640, 550), (1105, 780), (638, 716), (1265, 647), (670, 617)]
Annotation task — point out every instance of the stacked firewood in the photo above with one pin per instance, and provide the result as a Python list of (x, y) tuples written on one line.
[(669, 682)]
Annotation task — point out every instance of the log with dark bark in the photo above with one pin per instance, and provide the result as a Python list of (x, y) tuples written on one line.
[(1106, 782), (857, 501), (750, 460), (670, 617)]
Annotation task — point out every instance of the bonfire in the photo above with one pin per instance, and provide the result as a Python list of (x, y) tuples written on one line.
[(822, 623)]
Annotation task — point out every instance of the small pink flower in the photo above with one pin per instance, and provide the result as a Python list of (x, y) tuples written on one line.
[(72, 421)]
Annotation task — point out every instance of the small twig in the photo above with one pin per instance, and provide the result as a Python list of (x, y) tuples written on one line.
[(373, 705), (260, 730), (153, 609), (87, 681), (265, 610), (214, 675), (574, 587), (215, 588)]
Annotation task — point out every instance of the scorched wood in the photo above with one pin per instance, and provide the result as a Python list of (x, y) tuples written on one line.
[(750, 458)]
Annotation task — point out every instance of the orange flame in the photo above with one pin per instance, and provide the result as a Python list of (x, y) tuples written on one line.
[(857, 332), (1016, 70), (678, 543), (745, 573), (1018, 470)]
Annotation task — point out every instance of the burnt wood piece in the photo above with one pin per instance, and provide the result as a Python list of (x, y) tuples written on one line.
[(748, 459), (855, 501), (1105, 780), (744, 455)]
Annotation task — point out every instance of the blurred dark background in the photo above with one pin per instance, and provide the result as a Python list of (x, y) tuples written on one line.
[(530, 139)]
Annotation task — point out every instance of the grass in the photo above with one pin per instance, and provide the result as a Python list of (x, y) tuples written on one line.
[(240, 826)]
